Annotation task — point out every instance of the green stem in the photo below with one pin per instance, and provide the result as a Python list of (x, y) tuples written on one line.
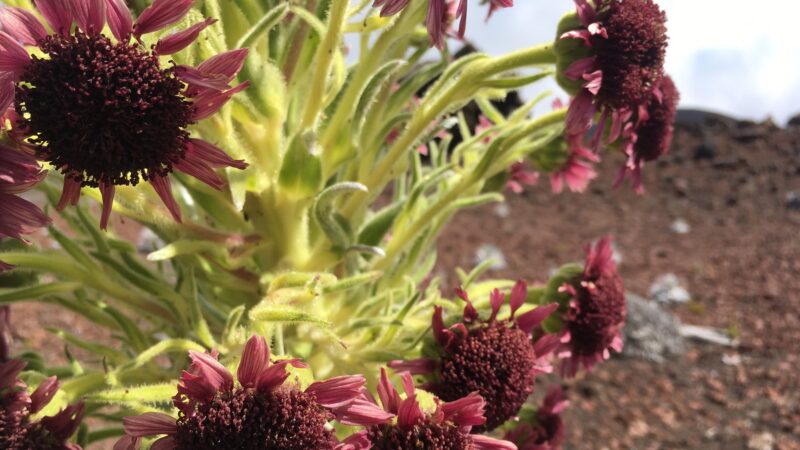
[(324, 57)]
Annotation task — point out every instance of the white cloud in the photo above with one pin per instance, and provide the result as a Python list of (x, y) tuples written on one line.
[(740, 58)]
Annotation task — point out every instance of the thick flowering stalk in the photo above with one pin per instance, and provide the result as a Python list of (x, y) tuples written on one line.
[(116, 117), (19, 172), (263, 412), (495, 358), (446, 427), (595, 311), (545, 430), (18, 431)]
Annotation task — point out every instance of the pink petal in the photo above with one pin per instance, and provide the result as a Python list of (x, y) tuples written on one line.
[(392, 7), (90, 15), (70, 193), (462, 12), (22, 24), (577, 69), (43, 394), (580, 114), (362, 412), (107, 190), (518, 296), (496, 299), (466, 411), (578, 34), (182, 39), (13, 56), (57, 13), (255, 359), (421, 366), (438, 326), (19, 217), (585, 12), (161, 14), (390, 398), (65, 423), (337, 392), (356, 441), (209, 102), (213, 155), (203, 172), (272, 377), (228, 64), (434, 22), (9, 371), (594, 81), (409, 412), (488, 443), (127, 443), (7, 92), (531, 319), (165, 443), (212, 370), (149, 424), (163, 188), (198, 80), (119, 19)]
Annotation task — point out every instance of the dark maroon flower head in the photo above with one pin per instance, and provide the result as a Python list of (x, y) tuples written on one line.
[(104, 111), (614, 51), (596, 312), (447, 427), (17, 430), (262, 412), (546, 430), (495, 358)]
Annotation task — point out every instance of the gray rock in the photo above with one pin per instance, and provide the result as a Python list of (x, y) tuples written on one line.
[(488, 251), (667, 288), (651, 332)]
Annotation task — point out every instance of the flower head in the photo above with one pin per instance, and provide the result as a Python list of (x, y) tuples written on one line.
[(18, 217), (17, 429), (611, 53), (263, 412), (546, 430), (596, 311), (446, 427), (103, 110), (651, 136), (495, 358)]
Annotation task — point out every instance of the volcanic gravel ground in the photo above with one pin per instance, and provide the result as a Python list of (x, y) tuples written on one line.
[(737, 185)]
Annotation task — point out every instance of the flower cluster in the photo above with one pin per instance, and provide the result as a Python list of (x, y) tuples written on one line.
[(546, 430), (104, 111), (611, 56), (19, 172), (495, 358), (595, 311), (18, 431)]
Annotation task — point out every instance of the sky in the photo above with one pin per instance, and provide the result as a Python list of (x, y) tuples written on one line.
[(730, 56)]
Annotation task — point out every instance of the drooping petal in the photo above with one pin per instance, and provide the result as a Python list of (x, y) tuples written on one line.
[(165, 443), (199, 170), (466, 411), (161, 14), (18, 171), (337, 392), (209, 102), (7, 87), (21, 24), (119, 19), (19, 217), (207, 366), (199, 81), (434, 22), (577, 69), (489, 443), (127, 443), (149, 424), (178, 41), (421, 366), (13, 56), (107, 190), (9, 371), (213, 155), (163, 188), (70, 193), (90, 15), (57, 13), (255, 359), (43, 394)]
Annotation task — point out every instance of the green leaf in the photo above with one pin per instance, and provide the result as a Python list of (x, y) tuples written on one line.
[(301, 171), (373, 232), (269, 20), (285, 315), (323, 212), (136, 395), (34, 292)]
